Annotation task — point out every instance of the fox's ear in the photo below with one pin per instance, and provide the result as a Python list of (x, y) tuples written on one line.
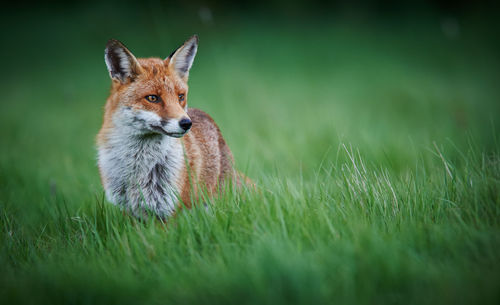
[(182, 59), (122, 64)]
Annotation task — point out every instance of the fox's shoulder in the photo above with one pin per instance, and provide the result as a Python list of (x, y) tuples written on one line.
[(201, 120), (205, 130), (200, 115)]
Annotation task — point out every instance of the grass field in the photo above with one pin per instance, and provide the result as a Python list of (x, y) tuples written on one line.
[(375, 144)]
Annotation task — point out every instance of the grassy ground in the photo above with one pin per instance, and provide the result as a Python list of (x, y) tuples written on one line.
[(376, 144)]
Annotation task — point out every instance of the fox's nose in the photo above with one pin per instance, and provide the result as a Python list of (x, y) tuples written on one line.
[(185, 123)]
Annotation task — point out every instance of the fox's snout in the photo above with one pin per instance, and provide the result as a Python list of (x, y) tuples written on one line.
[(184, 123), (172, 127)]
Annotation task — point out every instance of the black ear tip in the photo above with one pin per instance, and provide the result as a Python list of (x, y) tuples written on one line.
[(113, 43), (194, 38)]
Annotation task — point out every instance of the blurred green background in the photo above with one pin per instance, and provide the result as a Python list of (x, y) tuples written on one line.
[(298, 89)]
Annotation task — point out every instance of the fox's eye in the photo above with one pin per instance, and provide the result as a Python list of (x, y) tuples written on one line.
[(181, 97), (152, 98)]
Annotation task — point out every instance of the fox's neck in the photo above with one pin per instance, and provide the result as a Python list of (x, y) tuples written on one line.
[(142, 170)]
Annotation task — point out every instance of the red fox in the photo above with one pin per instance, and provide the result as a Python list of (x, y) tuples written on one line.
[(153, 152)]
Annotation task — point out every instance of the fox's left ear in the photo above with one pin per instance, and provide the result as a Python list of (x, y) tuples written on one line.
[(182, 59)]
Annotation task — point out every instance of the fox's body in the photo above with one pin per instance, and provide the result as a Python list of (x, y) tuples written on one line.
[(147, 158)]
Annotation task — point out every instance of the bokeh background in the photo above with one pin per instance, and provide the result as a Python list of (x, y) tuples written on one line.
[(290, 84), (288, 79)]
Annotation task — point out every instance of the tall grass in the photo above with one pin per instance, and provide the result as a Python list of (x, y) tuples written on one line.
[(355, 234)]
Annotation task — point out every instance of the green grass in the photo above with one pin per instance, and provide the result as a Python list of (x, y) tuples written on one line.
[(375, 145)]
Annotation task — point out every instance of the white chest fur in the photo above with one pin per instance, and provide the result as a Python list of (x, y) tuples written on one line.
[(141, 172)]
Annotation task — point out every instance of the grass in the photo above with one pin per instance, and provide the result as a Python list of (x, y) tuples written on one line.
[(375, 143)]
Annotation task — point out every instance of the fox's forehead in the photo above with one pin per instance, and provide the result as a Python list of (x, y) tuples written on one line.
[(156, 75), (153, 66)]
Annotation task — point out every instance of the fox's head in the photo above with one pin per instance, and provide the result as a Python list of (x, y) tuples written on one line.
[(150, 94)]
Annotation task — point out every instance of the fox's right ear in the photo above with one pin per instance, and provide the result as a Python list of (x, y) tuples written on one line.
[(122, 64), (182, 59)]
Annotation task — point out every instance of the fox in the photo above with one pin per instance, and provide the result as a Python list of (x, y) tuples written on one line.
[(154, 153)]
